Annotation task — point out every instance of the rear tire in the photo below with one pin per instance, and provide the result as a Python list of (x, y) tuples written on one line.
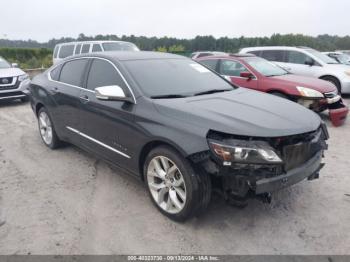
[(173, 185), (47, 130), (334, 81)]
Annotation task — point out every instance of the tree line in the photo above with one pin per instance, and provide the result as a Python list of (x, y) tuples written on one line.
[(33, 54), (226, 44)]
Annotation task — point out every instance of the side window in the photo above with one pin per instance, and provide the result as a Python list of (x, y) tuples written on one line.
[(55, 52), (102, 73), (232, 68), (273, 55), (55, 73), (296, 57), (85, 48), (96, 48), (212, 63), (72, 72), (77, 49), (66, 50)]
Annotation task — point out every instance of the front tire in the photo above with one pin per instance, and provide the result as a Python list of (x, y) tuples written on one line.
[(47, 130), (174, 187)]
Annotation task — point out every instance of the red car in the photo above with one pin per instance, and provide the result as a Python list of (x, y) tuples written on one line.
[(253, 72)]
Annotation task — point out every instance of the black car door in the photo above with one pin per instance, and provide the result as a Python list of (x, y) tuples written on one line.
[(106, 127), (65, 86)]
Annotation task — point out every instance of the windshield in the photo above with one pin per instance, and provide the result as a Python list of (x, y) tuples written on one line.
[(324, 58), (120, 46), (4, 63), (265, 67), (344, 59), (174, 78)]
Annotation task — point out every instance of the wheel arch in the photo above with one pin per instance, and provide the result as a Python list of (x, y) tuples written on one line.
[(38, 106), (149, 146), (331, 76)]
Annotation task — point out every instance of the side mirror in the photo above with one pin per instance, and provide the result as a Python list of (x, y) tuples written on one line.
[(15, 65), (246, 75), (309, 62), (113, 93)]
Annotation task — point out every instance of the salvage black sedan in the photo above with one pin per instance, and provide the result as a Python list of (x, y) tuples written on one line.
[(178, 126)]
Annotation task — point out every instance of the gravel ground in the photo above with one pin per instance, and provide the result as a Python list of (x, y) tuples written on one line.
[(67, 202)]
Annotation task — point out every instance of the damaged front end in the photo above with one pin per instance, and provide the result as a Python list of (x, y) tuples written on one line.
[(243, 167), (338, 111)]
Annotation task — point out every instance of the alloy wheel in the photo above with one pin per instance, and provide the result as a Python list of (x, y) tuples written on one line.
[(45, 127), (166, 184)]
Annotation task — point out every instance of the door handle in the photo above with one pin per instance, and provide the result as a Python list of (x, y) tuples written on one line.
[(85, 98)]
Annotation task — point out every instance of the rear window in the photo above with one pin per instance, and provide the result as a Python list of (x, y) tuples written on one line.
[(85, 48), (72, 72), (121, 46), (273, 55), (66, 50), (210, 63)]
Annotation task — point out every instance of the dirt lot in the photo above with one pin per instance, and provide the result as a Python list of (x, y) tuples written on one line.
[(67, 202)]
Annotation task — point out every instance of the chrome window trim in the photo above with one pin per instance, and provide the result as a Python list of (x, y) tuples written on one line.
[(97, 141), (85, 89)]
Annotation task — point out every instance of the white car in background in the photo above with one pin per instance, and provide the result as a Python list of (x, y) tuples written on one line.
[(339, 56), (64, 50), (14, 83), (306, 61)]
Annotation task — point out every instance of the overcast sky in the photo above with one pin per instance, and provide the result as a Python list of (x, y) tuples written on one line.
[(45, 19)]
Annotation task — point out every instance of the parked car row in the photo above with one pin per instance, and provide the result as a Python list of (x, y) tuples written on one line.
[(250, 71), (180, 127)]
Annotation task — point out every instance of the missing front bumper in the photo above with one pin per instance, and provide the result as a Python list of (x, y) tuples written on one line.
[(309, 169)]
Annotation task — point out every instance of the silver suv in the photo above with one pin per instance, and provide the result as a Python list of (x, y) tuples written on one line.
[(306, 61), (14, 82)]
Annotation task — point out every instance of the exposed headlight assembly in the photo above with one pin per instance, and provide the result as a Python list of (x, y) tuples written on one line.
[(254, 154), (308, 92), (23, 77)]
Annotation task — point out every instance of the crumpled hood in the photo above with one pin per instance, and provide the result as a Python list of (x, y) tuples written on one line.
[(10, 72), (304, 81), (241, 112)]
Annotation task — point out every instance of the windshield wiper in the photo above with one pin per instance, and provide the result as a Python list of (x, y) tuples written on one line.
[(168, 96), (212, 91)]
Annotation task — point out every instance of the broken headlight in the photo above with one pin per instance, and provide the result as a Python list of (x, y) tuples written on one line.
[(245, 153)]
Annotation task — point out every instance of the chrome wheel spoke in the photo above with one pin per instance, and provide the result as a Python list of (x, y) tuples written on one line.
[(161, 195), (180, 193), (178, 182), (160, 172), (174, 199), (156, 186), (172, 170)]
